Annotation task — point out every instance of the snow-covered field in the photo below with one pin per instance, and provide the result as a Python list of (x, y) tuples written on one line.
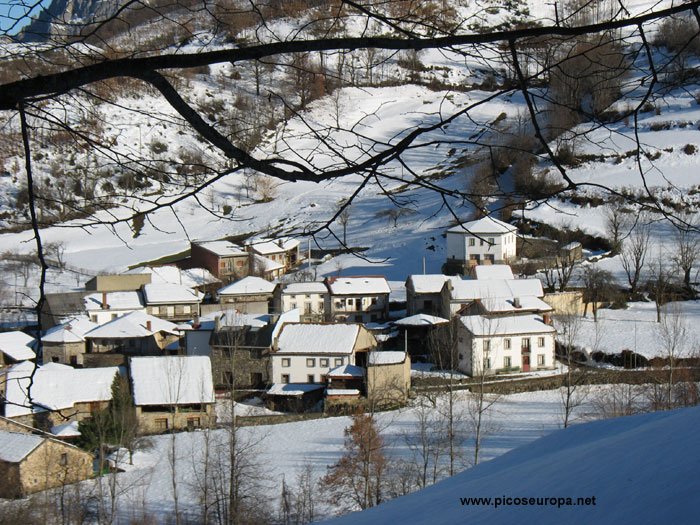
[(284, 450)]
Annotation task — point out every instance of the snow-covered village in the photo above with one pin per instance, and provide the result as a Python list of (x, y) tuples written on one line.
[(408, 261)]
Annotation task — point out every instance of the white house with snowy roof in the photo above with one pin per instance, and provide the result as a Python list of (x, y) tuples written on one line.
[(423, 293), (504, 344), (310, 297), (306, 352), (482, 241), (284, 251), (361, 299), (474, 296), (15, 347), (172, 392), (102, 307)]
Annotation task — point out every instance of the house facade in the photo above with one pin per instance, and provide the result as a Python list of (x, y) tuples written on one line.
[(225, 260), (358, 299), (483, 241), (505, 344), (306, 352), (66, 343), (423, 294), (388, 377), (310, 297), (283, 251), (250, 295), (31, 463), (102, 307), (171, 302)]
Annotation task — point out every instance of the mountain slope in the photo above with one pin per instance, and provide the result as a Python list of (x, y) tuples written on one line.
[(640, 469)]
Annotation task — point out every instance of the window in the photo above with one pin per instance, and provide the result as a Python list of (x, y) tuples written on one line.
[(154, 310), (540, 342), (286, 362), (310, 378), (487, 363), (193, 422), (525, 344), (487, 345), (471, 242), (374, 300), (338, 361), (506, 362), (428, 305), (186, 309), (285, 378), (540, 360), (310, 363), (292, 305), (491, 242), (506, 344), (239, 263), (481, 242), (64, 459), (161, 423), (323, 362)]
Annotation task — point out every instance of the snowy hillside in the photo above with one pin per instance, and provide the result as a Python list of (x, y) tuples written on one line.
[(638, 469)]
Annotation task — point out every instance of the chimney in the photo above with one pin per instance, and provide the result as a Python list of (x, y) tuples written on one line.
[(516, 302), (148, 325), (105, 306), (547, 319)]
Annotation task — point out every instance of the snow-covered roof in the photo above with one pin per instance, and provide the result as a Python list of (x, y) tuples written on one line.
[(313, 338), (345, 371), (265, 264), (493, 271), (71, 331), (342, 392), (15, 446), (267, 247), (469, 290), (16, 345), (190, 277), (66, 430), (372, 284), (230, 318), (421, 320), (115, 301), (482, 226), (292, 389), (134, 324), (292, 316), (248, 285), (311, 287), (431, 283), (55, 387), (222, 248), (387, 357), (163, 293), (512, 325), (173, 379), (527, 303)]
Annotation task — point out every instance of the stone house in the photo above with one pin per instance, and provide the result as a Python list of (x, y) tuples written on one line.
[(483, 241), (172, 392), (250, 295), (136, 333), (65, 343), (358, 299), (59, 393), (310, 297), (117, 283), (423, 293), (171, 302), (225, 260), (504, 344), (15, 347), (31, 463)]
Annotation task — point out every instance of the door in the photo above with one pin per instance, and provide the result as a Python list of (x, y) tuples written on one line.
[(526, 363)]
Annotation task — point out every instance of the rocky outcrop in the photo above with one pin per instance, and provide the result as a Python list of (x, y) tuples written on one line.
[(67, 17)]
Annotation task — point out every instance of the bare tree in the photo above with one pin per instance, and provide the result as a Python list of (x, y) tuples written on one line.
[(673, 336), (598, 287), (633, 251), (568, 326), (616, 224), (687, 253)]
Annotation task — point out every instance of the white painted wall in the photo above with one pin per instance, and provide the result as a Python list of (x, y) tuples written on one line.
[(471, 352), (298, 369), (501, 246)]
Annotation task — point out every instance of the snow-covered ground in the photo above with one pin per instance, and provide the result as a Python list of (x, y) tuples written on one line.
[(285, 449), (637, 469)]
